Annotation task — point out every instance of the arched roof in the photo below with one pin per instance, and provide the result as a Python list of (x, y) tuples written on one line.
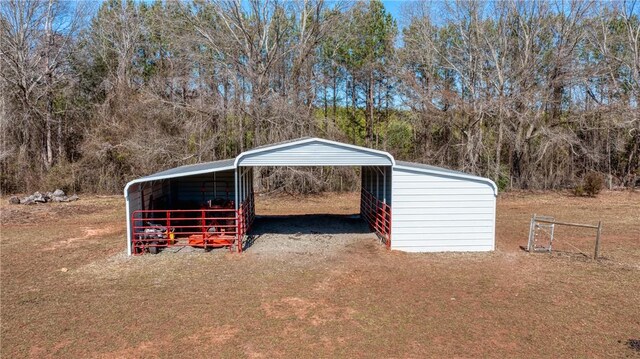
[(314, 152), (308, 151)]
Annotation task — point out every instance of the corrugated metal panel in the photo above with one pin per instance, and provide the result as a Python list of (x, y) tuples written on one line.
[(134, 201), (149, 195), (188, 170), (447, 248), (145, 195), (314, 152), (132, 189), (442, 211), (299, 152), (449, 232), (444, 174), (193, 191), (434, 168), (438, 210), (245, 184), (184, 187)]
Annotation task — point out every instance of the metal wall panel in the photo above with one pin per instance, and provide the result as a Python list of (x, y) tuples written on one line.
[(145, 195), (245, 183), (195, 190), (148, 195), (440, 212)]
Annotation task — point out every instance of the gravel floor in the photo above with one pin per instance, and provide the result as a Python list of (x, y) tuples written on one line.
[(316, 235), (306, 234)]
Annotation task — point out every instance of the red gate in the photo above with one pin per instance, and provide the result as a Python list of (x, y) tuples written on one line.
[(153, 230), (246, 215)]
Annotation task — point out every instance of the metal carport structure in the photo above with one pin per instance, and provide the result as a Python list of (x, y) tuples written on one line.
[(167, 200), (434, 209)]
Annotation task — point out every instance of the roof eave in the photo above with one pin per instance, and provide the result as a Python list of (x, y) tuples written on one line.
[(175, 175)]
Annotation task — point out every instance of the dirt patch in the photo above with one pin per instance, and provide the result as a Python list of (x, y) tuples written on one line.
[(314, 312), (42, 212), (315, 236), (89, 233), (619, 212), (342, 203)]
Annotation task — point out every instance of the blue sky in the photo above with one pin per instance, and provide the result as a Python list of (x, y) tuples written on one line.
[(394, 7)]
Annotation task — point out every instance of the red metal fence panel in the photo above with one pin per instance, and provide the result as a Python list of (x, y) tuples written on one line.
[(377, 214), (153, 230), (246, 215)]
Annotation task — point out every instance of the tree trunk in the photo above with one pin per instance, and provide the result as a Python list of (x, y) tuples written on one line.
[(326, 111), (498, 150), (49, 79), (335, 100), (60, 141), (369, 115), (48, 142)]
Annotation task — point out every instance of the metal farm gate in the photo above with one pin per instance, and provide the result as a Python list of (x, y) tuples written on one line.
[(153, 230)]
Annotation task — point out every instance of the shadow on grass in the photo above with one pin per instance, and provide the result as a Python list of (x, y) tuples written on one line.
[(563, 254)]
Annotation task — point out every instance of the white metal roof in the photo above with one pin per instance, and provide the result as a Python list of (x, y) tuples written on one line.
[(420, 167), (314, 152), (307, 152), (187, 170), (197, 168)]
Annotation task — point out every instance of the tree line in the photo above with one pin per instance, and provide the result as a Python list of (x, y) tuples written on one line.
[(532, 94)]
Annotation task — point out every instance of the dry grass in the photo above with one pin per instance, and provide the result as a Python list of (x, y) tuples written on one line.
[(68, 290)]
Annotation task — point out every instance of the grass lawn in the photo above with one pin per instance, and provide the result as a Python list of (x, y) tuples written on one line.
[(68, 290)]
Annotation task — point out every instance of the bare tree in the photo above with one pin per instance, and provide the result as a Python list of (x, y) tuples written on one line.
[(532, 94), (37, 38)]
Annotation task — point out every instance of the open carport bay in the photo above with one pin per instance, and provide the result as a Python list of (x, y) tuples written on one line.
[(318, 235)]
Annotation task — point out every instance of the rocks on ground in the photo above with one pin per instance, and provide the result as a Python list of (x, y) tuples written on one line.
[(56, 196)]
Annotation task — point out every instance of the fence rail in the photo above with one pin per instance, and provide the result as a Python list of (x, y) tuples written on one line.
[(538, 221), (377, 214), (246, 215), (153, 230)]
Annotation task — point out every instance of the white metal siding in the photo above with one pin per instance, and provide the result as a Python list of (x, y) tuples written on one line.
[(315, 153), (441, 213)]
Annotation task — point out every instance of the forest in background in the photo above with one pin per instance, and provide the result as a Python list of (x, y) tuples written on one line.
[(532, 94)]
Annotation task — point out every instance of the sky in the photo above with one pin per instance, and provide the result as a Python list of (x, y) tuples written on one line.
[(394, 7)]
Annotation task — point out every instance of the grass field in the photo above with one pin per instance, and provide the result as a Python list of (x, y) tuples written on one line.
[(68, 290)]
